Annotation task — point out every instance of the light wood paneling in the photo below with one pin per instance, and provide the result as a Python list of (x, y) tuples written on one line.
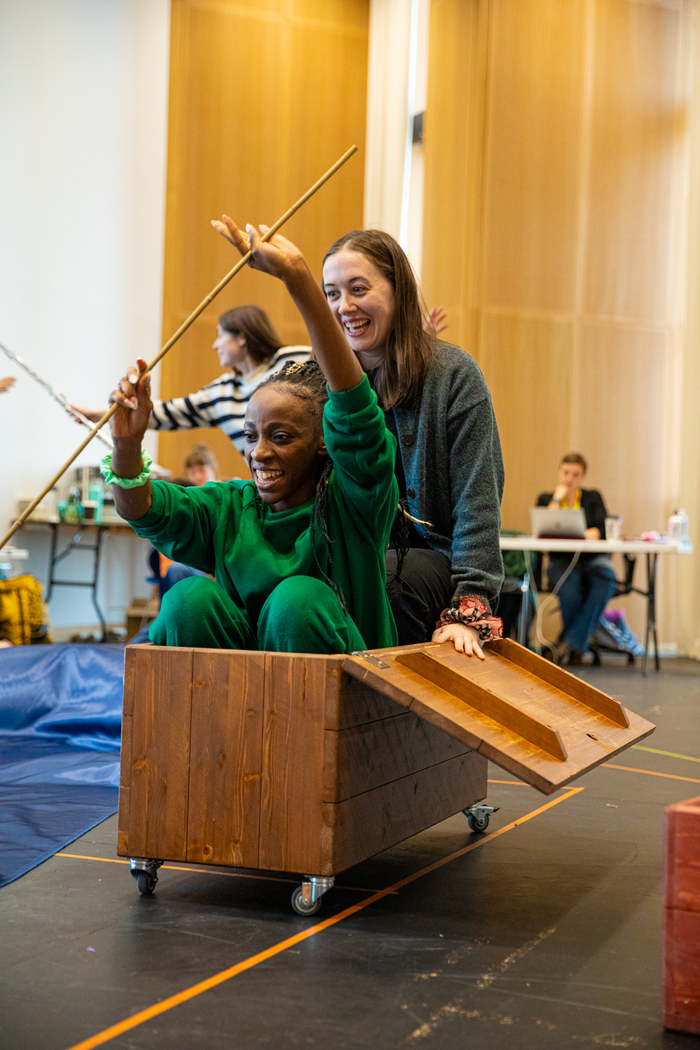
[(536, 61), (620, 367), (529, 364), (454, 173), (638, 149), (263, 98), (557, 159)]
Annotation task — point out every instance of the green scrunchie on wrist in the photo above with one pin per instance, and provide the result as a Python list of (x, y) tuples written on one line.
[(126, 483)]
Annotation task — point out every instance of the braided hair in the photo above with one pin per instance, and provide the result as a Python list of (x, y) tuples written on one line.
[(307, 382)]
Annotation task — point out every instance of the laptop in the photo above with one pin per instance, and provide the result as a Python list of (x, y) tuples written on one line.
[(558, 524)]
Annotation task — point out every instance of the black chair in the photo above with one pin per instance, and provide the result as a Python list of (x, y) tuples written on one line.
[(622, 587)]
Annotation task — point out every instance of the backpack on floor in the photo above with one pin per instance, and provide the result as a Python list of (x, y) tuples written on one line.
[(24, 616)]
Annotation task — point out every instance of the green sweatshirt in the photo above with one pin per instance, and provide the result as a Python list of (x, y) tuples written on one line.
[(226, 530)]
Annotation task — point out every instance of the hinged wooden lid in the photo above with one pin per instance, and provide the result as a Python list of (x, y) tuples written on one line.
[(527, 715)]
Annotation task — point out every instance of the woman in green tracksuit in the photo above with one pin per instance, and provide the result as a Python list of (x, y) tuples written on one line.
[(297, 554)]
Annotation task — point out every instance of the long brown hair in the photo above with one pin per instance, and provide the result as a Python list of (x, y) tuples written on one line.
[(262, 341), (402, 372)]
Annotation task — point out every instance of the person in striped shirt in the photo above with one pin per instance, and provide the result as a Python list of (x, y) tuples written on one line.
[(249, 346)]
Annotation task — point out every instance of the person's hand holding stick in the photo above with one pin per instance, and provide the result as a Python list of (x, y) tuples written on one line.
[(173, 339), (282, 259)]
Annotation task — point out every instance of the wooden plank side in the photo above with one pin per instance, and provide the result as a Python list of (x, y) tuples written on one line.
[(125, 765), (681, 968), (354, 703), (160, 756), (369, 823), (439, 667), (225, 757), (682, 855), (588, 737), (292, 836), (561, 679), (363, 757)]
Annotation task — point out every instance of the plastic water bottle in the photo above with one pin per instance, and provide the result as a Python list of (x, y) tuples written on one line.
[(678, 526), (96, 498)]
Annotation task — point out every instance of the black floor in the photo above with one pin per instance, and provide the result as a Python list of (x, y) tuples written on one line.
[(547, 936)]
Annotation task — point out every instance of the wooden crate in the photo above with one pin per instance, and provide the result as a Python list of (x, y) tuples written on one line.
[(682, 917), (277, 762), (314, 763), (527, 715)]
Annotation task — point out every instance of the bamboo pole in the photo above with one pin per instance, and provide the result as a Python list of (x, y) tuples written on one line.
[(174, 338)]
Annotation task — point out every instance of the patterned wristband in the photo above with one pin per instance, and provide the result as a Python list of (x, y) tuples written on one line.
[(472, 612), (126, 483)]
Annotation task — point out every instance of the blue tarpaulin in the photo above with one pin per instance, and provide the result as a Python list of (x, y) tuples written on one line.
[(60, 731)]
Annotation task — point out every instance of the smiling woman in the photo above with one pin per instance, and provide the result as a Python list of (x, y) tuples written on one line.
[(297, 555), (448, 462)]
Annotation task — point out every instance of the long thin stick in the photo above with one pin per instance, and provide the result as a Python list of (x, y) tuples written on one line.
[(174, 338), (63, 401)]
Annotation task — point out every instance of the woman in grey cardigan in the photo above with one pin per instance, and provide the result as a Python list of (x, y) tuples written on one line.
[(448, 461)]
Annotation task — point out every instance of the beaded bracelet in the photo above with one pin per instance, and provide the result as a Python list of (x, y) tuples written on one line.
[(126, 483)]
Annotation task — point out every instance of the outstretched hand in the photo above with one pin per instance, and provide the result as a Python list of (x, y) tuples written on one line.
[(464, 638), (133, 395), (436, 321), (278, 256)]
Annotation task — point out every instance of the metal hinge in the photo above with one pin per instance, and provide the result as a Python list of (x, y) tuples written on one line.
[(374, 660)]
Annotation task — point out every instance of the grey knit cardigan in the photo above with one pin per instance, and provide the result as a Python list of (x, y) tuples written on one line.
[(452, 460)]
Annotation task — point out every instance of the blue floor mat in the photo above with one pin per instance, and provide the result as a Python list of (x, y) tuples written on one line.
[(60, 729)]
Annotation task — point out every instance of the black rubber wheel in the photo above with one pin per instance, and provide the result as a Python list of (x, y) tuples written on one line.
[(300, 907), (477, 823), (146, 883)]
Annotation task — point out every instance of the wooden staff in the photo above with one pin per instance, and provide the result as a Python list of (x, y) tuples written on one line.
[(174, 338)]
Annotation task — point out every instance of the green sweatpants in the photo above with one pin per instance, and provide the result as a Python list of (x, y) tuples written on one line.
[(301, 615)]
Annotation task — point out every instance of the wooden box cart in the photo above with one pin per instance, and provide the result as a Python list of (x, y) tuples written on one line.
[(682, 917), (311, 764)]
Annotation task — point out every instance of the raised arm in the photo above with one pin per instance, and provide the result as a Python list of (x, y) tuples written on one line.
[(282, 259), (129, 423)]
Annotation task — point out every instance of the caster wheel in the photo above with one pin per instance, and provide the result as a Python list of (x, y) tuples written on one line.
[(477, 823), (146, 883), (300, 907)]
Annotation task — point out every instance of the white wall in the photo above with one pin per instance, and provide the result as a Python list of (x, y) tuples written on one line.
[(396, 90), (83, 108)]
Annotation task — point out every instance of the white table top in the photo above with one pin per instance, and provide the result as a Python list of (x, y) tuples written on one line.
[(529, 543), (14, 554)]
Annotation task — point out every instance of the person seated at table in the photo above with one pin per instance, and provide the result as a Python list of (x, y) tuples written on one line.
[(584, 589)]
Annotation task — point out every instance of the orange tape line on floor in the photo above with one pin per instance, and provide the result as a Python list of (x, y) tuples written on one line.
[(209, 871), (276, 949), (650, 773), (516, 783)]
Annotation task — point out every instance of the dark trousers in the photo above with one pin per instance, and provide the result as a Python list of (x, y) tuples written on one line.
[(418, 598), (582, 597)]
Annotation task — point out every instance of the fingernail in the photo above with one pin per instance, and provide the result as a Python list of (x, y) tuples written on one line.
[(249, 228)]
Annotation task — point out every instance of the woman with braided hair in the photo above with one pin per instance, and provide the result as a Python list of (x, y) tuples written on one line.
[(297, 554)]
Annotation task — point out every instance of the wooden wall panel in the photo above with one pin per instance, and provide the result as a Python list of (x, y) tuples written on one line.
[(638, 143), (528, 361), (621, 366), (534, 154), (454, 130), (263, 98), (557, 161)]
